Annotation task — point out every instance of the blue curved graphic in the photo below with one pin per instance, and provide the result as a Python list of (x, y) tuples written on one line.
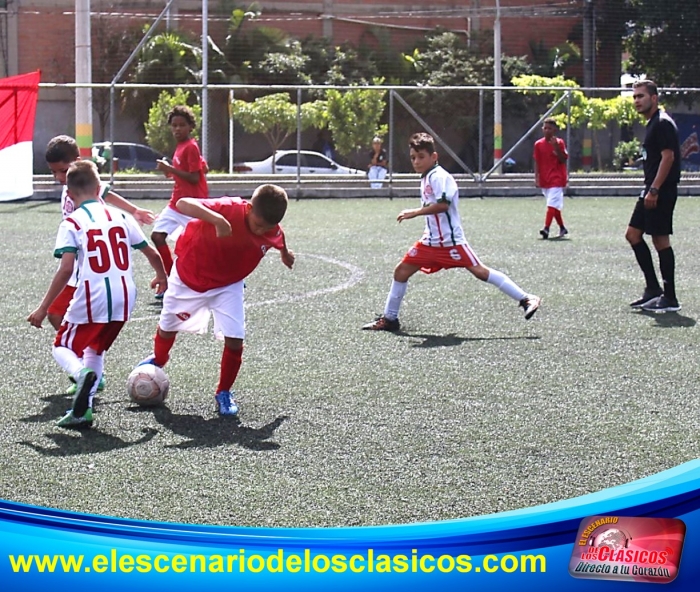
[(493, 552)]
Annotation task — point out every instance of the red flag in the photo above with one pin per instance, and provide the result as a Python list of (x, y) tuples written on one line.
[(18, 97)]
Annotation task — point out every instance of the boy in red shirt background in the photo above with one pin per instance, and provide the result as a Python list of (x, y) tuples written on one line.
[(550, 158), (189, 171)]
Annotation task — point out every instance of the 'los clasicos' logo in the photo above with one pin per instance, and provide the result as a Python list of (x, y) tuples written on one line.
[(628, 548)]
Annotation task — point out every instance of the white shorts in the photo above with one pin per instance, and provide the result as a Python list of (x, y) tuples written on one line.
[(169, 220), (554, 197), (185, 309)]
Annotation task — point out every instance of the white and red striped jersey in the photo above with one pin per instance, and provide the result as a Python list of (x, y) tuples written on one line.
[(102, 237), (444, 229), (67, 208)]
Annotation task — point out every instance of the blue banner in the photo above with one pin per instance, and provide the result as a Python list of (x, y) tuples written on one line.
[(528, 549), (689, 137)]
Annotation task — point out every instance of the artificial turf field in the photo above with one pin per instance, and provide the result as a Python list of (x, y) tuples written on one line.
[(469, 410)]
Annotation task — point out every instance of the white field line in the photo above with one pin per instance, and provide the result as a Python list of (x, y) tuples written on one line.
[(356, 276)]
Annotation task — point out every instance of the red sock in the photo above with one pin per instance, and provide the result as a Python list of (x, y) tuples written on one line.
[(557, 217), (230, 365), (161, 349), (166, 256), (548, 216)]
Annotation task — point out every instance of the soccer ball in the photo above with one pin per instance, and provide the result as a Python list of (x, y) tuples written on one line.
[(148, 385)]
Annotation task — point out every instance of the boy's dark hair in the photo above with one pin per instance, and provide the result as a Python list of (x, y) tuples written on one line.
[(82, 177), (651, 87), (270, 203), (422, 141), (551, 121), (182, 111), (62, 149)]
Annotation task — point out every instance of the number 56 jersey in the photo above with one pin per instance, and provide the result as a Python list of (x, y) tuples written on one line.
[(102, 238)]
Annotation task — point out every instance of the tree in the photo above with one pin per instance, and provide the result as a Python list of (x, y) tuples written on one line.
[(158, 133), (593, 113), (275, 116), (662, 39), (445, 59), (170, 58), (353, 117)]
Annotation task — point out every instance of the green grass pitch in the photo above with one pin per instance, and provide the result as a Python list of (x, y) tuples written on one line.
[(470, 410)]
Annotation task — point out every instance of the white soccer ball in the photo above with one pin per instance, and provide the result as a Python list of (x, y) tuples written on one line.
[(148, 385)]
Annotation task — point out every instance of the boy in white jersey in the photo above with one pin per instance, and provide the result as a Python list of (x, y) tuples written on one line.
[(61, 152), (99, 238), (443, 244)]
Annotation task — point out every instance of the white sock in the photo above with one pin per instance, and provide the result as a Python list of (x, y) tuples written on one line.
[(68, 360), (505, 285), (393, 300)]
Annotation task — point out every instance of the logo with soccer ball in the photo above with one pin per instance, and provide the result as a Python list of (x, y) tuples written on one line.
[(148, 385)]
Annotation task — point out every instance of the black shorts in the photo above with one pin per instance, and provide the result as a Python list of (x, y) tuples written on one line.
[(657, 221)]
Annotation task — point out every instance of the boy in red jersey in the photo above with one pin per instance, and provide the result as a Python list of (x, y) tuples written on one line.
[(225, 241), (189, 171), (99, 239), (550, 157)]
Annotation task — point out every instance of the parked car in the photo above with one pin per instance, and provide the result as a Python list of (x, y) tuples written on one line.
[(312, 163), (127, 155)]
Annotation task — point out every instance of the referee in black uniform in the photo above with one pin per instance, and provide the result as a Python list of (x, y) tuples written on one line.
[(653, 213)]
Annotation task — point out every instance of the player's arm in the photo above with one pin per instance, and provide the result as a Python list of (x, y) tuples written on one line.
[(667, 158), (160, 282), (194, 208), (287, 256), (537, 171), (141, 215), (60, 279), (560, 150), (436, 208), (190, 159), (190, 177)]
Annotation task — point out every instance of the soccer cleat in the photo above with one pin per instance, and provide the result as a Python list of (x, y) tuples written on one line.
[(81, 400), (149, 360), (662, 304), (382, 324), (71, 390), (647, 297), (159, 295), (225, 403), (544, 233), (563, 232), (530, 304), (101, 384), (69, 420)]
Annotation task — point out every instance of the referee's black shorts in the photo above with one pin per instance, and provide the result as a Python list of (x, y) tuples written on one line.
[(657, 221)]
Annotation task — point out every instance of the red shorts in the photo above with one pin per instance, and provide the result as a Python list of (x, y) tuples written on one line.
[(432, 259), (60, 305), (98, 336)]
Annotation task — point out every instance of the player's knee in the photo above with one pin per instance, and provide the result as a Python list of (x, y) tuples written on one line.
[(480, 272), (633, 236), (401, 273), (158, 238), (661, 242), (233, 343)]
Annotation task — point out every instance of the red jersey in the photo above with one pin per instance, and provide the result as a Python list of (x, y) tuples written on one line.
[(205, 262), (552, 172), (188, 158)]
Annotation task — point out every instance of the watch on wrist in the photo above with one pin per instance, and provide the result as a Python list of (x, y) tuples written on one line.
[(653, 191)]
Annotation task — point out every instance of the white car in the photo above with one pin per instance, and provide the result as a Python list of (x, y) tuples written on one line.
[(312, 163)]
